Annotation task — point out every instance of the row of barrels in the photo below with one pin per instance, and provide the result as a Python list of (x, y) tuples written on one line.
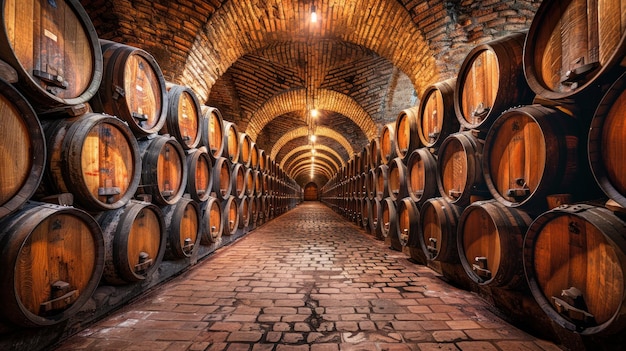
[(507, 185)]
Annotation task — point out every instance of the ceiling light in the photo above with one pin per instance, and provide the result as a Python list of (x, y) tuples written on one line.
[(314, 113), (313, 14), (312, 138)]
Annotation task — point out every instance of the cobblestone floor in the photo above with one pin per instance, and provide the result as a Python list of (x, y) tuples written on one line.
[(308, 280)]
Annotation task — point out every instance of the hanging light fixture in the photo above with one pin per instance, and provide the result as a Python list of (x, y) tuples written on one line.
[(314, 113), (313, 14)]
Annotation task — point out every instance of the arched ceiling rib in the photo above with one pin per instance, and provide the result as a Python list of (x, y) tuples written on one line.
[(322, 148), (304, 131), (307, 157)]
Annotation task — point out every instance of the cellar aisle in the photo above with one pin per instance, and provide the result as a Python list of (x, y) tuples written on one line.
[(308, 280)]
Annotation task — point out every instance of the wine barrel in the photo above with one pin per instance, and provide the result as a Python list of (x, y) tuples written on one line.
[(439, 220), (255, 207), (238, 179), (249, 182), (489, 241), (265, 208), (183, 119), (134, 89), (375, 157), (408, 228), (397, 179), (607, 144), (200, 177), (222, 178), (95, 157), (388, 143), (163, 169), (572, 45), (243, 212), (436, 117), (365, 159), (376, 224), (263, 161), (574, 259), (182, 225), (212, 223), (421, 181), (245, 149), (406, 132), (258, 182), (135, 240), (382, 188), (230, 216), (231, 141), (389, 217), (22, 150), (211, 132), (254, 156), (491, 80), (52, 259), (370, 184), (459, 167), (529, 153), (54, 48), (366, 214)]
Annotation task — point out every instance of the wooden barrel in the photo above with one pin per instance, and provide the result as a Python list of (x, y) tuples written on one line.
[(135, 240), (397, 179), (491, 80), (408, 228), (163, 169), (375, 157), (231, 141), (607, 143), (183, 119), (263, 158), (375, 221), (265, 208), (366, 214), (436, 116), (439, 220), (255, 209), (245, 149), (54, 48), (134, 89), (421, 181), (212, 132), (459, 167), (200, 177), (406, 132), (571, 45), (243, 212), (529, 153), (365, 158), (182, 225), (489, 241), (22, 150), (258, 182), (230, 216), (389, 217), (212, 223), (388, 143), (575, 259), (370, 184), (254, 156), (382, 188), (238, 179), (52, 259), (222, 178), (249, 182), (95, 157)]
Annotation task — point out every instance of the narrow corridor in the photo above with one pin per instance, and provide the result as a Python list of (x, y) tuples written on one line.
[(308, 280)]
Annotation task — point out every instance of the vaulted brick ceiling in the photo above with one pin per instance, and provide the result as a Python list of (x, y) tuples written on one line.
[(264, 64)]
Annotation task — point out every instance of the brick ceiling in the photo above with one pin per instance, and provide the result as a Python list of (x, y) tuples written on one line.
[(264, 64)]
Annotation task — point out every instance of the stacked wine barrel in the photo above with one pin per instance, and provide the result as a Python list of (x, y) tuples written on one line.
[(493, 172), (109, 169)]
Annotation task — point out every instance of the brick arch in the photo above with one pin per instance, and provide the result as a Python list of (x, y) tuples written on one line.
[(295, 100), (318, 147), (303, 131), (307, 155), (319, 169), (241, 27), (308, 164)]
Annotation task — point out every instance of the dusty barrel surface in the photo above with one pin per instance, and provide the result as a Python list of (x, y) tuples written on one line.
[(163, 170), (52, 259), (436, 116), (134, 89), (489, 241), (459, 167), (529, 153), (135, 241), (200, 174), (183, 120), (406, 132), (491, 80), (421, 176), (23, 150), (212, 132), (182, 225), (575, 259), (212, 223), (439, 220), (54, 48), (607, 143), (572, 45), (95, 157)]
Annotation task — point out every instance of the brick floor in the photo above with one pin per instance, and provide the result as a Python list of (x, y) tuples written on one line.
[(308, 280)]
